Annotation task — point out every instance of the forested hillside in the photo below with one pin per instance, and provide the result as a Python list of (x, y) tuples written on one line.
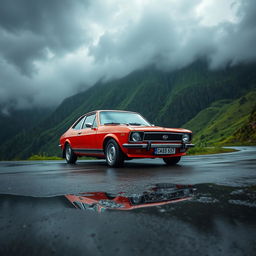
[(165, 98), (226, 122), (18, 121)]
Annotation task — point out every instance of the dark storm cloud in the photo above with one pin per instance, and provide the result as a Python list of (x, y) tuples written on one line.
[(51, 49), (30, 28), (238, 43), (154, 39), (174, 41)]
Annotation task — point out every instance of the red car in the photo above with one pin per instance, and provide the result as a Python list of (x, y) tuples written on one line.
[(100, 201), (122, 135)]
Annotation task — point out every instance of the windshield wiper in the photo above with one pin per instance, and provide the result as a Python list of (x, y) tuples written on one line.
[(135, 124), (111, 123)]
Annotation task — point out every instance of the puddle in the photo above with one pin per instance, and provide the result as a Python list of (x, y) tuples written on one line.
[(159, 194), (163, 198)]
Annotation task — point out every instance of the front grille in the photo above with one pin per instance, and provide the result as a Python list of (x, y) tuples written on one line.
[(162, 136)]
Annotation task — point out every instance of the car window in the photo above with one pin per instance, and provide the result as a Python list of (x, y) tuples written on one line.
[(79, 124), (129, 118), (94, 124), (90, 120)]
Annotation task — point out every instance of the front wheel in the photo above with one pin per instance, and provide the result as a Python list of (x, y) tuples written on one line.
[(113, 153), (171, 160), (137, 199), (70, 156)]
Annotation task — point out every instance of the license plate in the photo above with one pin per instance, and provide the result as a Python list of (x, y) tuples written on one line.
[(164, 151)]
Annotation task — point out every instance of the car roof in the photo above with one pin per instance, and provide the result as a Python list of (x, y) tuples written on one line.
[(111, 110), (105, 110)]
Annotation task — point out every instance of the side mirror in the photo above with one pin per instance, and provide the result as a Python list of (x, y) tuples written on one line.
[(88, 125)]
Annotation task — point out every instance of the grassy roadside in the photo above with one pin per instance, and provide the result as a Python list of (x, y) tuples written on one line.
[(209, 150), (45, 157)]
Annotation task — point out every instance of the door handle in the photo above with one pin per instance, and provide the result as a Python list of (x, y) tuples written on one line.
[(79, 133)]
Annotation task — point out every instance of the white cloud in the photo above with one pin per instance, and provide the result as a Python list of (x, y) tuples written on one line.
[(214, 12)]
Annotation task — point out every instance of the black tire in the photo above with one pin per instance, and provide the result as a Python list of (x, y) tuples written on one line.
[(171, 160), (111, 196), (69, 154), (113, 153), (137, 200)]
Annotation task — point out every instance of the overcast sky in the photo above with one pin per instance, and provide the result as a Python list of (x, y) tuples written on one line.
[(52, 49)]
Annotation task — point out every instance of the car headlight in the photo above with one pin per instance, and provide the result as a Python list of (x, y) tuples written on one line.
[(136, 136), (185, 138)]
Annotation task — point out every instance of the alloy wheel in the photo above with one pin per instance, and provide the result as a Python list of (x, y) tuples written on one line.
[(68, 153), (111, 153)]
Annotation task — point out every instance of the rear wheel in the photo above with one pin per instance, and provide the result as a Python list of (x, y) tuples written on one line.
[(113, 153), (70, 156), (171, 160)]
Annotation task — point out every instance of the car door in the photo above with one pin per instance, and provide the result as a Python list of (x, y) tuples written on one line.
[(76, 132), (88, 136)]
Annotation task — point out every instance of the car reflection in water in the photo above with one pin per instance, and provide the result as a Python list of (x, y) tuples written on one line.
[(160, 194)]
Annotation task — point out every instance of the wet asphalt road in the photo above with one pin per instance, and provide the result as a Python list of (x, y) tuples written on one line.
[(36, 219)]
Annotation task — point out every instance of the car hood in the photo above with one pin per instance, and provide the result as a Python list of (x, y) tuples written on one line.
[(157, 129)]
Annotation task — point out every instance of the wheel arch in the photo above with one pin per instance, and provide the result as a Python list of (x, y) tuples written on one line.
[(109, 137)]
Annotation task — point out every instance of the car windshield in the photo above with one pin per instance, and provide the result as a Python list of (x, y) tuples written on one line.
[(129, 118)]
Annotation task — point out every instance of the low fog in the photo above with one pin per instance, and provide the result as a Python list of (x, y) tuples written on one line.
[(53, 49)]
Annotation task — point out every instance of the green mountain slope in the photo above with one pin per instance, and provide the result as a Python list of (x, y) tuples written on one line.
[(219, 123), (165, 98), (18, 121), (246, 135)]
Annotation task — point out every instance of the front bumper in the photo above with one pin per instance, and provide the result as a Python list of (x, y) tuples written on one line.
[(149, 145)]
